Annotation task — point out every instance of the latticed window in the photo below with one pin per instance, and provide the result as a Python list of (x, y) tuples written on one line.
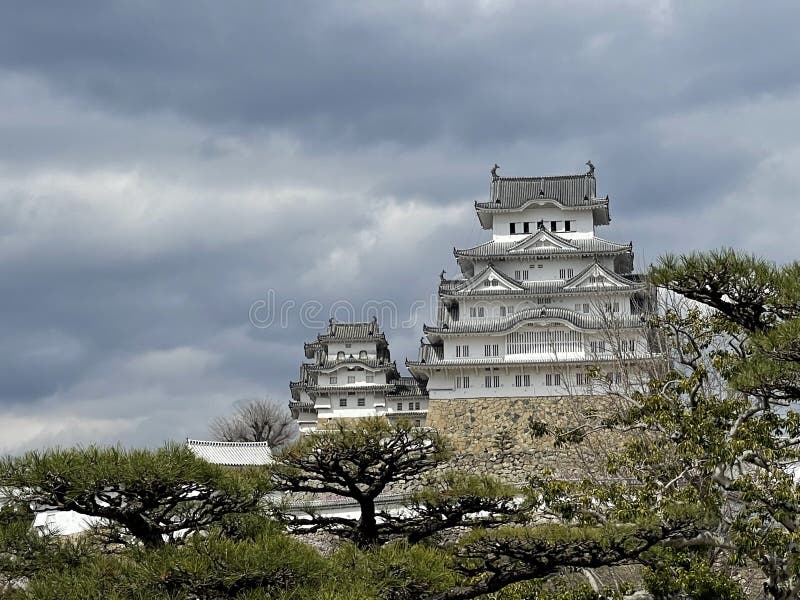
[(552, 379), (362, 401), (342, 402), (544, 342), (332, 380), (370, 378), (351, 379)]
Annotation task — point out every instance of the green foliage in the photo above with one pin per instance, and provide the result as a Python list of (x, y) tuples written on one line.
[(688, 575), (205, 567), (145, 496)]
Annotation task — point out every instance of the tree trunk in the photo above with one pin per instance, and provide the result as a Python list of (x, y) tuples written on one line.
[(367, 525)]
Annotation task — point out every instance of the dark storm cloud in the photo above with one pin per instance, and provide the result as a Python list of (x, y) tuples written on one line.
[(165, 166), (360, 74)]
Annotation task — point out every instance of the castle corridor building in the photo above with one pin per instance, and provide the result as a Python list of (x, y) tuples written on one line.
[(545, 308), (352, 375)]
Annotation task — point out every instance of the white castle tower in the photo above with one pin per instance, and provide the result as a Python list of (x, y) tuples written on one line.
[(352, 375), (545, 307)]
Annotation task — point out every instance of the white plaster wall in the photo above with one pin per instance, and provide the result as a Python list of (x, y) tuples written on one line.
[(354, 349), (584, 221)]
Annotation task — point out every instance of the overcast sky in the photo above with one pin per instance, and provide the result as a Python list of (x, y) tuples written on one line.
[(170, 172)]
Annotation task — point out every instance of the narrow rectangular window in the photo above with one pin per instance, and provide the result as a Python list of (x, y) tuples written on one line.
[(342, 402), (399, 406), (526, 227), (548, 379), (586, 307), (562, 273), (370, 378), (553, 225), (525, 275), (540, 225), (487, 381), (416, 405), (518, 380), (578, 307), (512, 228), (502, 311), (466, 382), (473, 312), (332, 380), (526, 380), (578, 378), (458, 351), (557, 378), (362, 401), (351, 379), (570, 273), (481, 312), (457, 383), (497, 381), (465, 351), (567, 226)]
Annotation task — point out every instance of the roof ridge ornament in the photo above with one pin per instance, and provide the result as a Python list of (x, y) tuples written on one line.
[(591, 168), (495, 176)]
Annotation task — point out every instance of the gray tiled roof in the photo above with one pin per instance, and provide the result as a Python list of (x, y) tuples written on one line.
[(352, 331), (367, 362), (501, 324), (593, 245), (568, 190), (231, 453), (455, 287), (433, 355), (364, 387), (406, 386)]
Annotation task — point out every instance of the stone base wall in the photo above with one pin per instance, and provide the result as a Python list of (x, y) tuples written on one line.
[(491, 435)]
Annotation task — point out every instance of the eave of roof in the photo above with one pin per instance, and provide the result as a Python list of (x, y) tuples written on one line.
[(593, 246), (504, 324), (235, 454)]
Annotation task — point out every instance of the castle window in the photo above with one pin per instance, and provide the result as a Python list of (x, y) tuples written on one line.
[(487, 381), (512, 228), (417, 423), (342, 402), (491, 349), (399, 406), (496, 381), (370, 378), (351, 379), (553, 225), (340, 355), (362, 401), (567, 226), (466, 382), (332, 380), (579, 379), (552, 379), (502, 311), (416, 405), (362, 355), (526, 227)]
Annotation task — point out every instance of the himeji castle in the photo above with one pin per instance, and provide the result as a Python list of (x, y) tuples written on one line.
[(546, 307), (352, 375)]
